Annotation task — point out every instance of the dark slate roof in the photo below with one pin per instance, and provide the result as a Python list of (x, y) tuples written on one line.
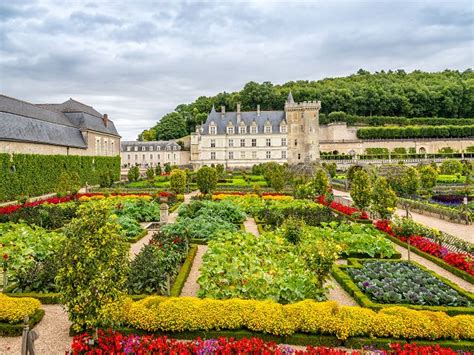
[(20, 128), (162, 144), (275, 118), (55, 124), (86, 121)]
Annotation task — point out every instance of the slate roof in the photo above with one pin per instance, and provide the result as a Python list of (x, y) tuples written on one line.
[(162, 144), (54, 124), (275, 118)]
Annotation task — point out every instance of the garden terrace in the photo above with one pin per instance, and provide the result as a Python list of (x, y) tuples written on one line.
[(376, 284)]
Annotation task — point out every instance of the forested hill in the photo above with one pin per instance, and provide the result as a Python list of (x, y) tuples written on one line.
[(448, 94)]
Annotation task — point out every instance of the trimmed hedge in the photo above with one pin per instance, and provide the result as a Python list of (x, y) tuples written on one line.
[(35, 174), (338, 271), (416, 132), (44, 298), (184, 272), (16, 329)]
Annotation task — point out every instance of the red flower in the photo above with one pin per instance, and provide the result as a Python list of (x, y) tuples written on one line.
[(5, 256)]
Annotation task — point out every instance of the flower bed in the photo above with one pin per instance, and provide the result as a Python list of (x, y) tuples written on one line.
[(346, 210), (404, 283), (52, 200), (313, 318), (14, 310), (461, 261), (119, 343)]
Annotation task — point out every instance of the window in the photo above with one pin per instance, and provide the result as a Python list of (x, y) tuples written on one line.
[(299, 156), (97, 145), (254, 155), (231, 143), (129, 148), (283, 128), (113, 148), (212, 130), (136, 149), (254, 142), (242, 142), (283, 142), (213, 143), (242, 155), (143, 157), (151, 148), (231, 155), (128, 156), (213, 155), (296, 142), (169, 156), (283, 154), (230, 130), (302, 128), (268, 154), (158, 157), (253, 129), (143, 148), (158, 147), (242, 129), (268, 142), (174, 156), (136, 156), (268, 129), (151, 156)]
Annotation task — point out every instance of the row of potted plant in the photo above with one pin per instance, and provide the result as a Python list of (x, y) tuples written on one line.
[(118, 343), (461, 261)]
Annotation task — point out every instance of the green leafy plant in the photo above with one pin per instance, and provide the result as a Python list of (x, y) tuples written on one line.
[(384, 199), (133, 174), (361, 189), (178, 179), (206, 179)]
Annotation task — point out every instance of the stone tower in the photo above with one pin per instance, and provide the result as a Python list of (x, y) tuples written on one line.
[(303, 130)]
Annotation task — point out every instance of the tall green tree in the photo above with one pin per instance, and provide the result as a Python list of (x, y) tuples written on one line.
[(95, 266), (178, 181), (428, 176), (206, 179), (384, 199), (361, 189)]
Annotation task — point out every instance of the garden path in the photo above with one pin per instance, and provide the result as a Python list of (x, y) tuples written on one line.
[(462, 231), (191, 287), (53, 333), (434, 267), (251, 226), (338, 294)]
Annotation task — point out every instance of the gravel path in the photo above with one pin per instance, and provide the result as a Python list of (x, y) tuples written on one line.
[(434, 267), (191, 287), (53, 333), (137, 246), (463, 231), (251, 226), (337, 293)]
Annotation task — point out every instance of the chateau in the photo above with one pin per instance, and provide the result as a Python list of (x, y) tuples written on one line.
[(70, 128), (242, 139)]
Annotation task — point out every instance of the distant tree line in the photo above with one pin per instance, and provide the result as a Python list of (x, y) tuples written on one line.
[(447, 94)]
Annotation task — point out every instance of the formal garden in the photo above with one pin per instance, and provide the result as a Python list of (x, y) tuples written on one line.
[(245, 261)]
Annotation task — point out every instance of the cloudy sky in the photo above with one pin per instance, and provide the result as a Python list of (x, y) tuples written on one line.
[(137, 61)]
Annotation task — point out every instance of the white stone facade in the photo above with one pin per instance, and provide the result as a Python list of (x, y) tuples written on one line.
[(151, 154)]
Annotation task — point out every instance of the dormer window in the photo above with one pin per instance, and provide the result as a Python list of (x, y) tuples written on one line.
[(143, 148), (230, 130), (283, 128), (158, 147), (242, 129), (253, 129), (212, 130), (136, 149), (129, 148), (151, 148), (268, 129)]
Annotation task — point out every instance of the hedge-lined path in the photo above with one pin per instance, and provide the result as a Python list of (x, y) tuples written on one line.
[(191, 287), (251, 226), (463, 231), (435, 268), (53, 333), (338, 294)]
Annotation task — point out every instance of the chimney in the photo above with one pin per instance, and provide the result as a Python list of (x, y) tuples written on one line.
[(222, 111), (258, 110), (105, 119), (238, 113)]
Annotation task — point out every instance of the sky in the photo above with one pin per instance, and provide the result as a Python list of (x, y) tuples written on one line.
[(137, 60)]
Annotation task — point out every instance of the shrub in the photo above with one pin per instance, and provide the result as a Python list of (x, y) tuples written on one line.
[(14, 310), (133, 174), (158, 170), (178, 181), (292, 230), (206, 179), (95, 266), (150, 174), (384, 199), (68, 184), (361, 189), (191, 314), (106, 179), (428, 176), (416, 132), (451, 167), (168, 168)]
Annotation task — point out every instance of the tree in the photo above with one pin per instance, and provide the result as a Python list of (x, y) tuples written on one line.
[(178, 181), (158, 170), (451, 167), (220, 169), (351, 171), (133, 174), (68, 184), (320, 183), (361, 189), (331, 168), (150, 174), (95, 265), (428, 177), (404, 180), (277, 177), (106, 179), (168, 168), (206, 179), (384, 199)]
